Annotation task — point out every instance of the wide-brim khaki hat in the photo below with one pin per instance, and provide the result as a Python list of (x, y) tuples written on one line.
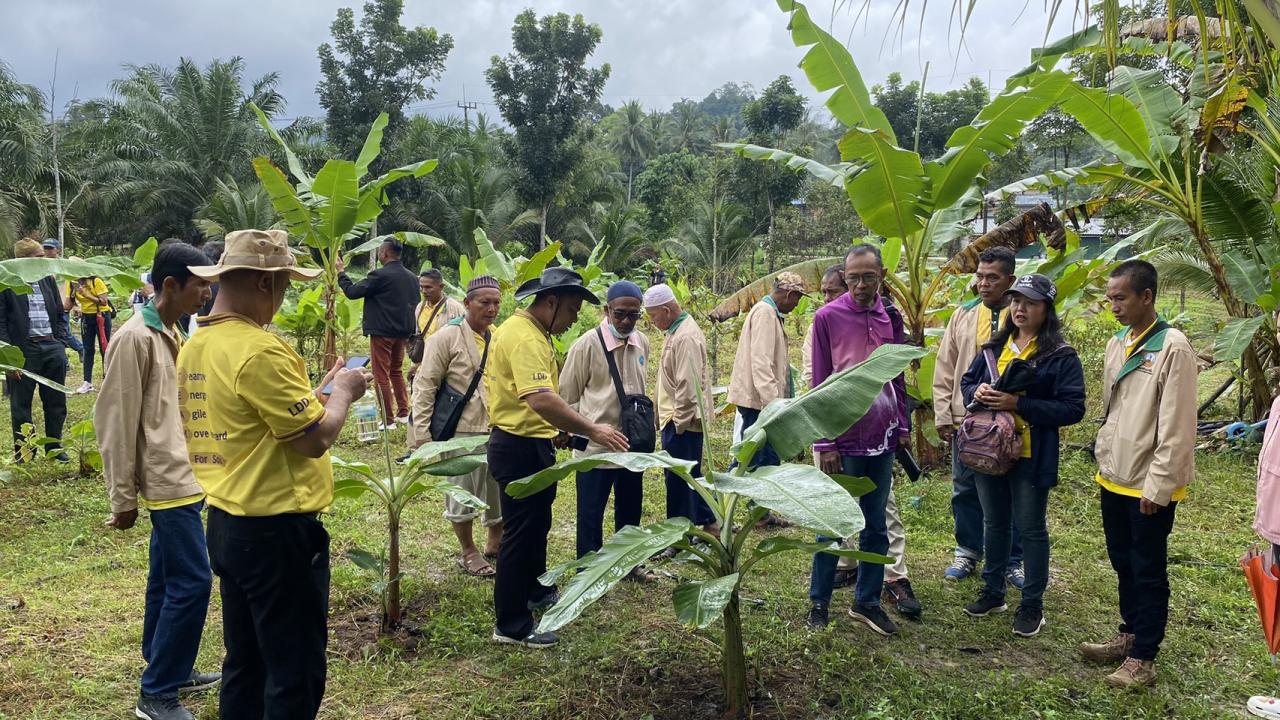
[(261, 250)]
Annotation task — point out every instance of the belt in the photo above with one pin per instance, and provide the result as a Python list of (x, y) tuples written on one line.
[(42, 338)]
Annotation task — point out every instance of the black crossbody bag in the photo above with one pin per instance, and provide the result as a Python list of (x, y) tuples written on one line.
[(638, 419), (450, 403)]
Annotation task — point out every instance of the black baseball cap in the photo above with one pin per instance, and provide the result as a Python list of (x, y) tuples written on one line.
[(1034, 286)]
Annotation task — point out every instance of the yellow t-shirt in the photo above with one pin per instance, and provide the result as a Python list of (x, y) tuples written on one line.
[(87, 295), (244, 394), (984, 322), (1008, 355), (522, 361)]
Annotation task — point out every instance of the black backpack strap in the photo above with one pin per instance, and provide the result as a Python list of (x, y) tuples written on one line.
[(475, 379), (613, 370)]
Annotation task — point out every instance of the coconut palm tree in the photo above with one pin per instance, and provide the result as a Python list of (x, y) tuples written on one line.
[(633, 141), (687, 129), (717, 238), (619, 228), (235, 207)]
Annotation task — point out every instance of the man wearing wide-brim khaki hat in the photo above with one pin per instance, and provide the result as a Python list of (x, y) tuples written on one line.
[(263, 250), (258, 436)]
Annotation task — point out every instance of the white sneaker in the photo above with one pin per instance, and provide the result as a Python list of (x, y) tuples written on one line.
[(1264, 707), (85, 387), (403, 420)]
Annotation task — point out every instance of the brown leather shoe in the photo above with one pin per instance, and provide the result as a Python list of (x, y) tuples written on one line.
[(1133, 673), (1111, 651)]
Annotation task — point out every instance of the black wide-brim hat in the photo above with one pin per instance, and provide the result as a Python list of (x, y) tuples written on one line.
[(558, 280)]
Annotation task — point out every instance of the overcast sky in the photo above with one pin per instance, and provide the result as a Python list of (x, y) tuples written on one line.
[(660, 51)]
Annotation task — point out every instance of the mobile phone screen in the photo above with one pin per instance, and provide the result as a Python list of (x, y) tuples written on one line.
[(356, 361)]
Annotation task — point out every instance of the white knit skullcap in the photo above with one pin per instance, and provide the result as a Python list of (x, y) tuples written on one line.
[(659, 294)]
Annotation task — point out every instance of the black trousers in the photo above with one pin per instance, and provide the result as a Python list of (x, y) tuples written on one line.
[(1138, 546), (525, 525), (682, 500), (593, 496), (47, 359), (273, 576)]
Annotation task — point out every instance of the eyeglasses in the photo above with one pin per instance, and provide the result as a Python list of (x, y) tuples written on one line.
[(867, 279), (621, 315)]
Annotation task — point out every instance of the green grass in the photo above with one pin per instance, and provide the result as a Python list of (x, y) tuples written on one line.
[(71, 602)]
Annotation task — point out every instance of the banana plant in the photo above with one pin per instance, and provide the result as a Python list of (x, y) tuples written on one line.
[(426, 469), (325, 211), (801, 493), (1175, 154)]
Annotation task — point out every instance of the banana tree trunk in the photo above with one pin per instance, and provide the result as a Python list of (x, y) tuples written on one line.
[(733, 667), (391, 615)]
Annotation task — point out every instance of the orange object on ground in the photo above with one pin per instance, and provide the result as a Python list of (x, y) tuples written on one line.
[(1260, 572)]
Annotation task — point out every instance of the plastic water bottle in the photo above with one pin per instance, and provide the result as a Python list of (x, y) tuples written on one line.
[(367, 425)]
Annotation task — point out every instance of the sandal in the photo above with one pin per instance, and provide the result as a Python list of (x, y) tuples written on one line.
[(772, 521), (477, 566)]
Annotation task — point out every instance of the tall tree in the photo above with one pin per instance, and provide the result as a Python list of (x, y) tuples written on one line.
[(543, 89), (938, 116), (378, 66), (632, 141), (23, 156), (767, 187)]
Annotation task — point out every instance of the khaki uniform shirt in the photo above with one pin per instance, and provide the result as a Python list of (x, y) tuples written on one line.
[(452, 310), (587, 386), (684, 353), (761, 369), (956, 352), (138, 420), (451, 355), (1146, 447)]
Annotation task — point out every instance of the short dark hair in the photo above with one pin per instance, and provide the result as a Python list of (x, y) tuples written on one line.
[(213, 251), (393, 246), (431, 274), (174, 260), (865, 249), (1142, 275), (835, 271), (1001, 256)]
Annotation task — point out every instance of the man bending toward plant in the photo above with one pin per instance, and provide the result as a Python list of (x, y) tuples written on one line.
[(258, 437), (144, 456)]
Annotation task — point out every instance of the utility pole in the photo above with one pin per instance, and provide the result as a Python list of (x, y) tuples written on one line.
[(53, 129), (466, 106)]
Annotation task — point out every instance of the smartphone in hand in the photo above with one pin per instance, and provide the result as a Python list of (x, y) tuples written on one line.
[(353, 363)]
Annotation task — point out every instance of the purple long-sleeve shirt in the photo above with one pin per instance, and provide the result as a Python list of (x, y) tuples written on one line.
[(845, 334)]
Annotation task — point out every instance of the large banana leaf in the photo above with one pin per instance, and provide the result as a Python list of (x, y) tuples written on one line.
[(891, 192), (1112, 120), (1092, 174), (620, 554), (17, 274), (801, 493), (700, 603), (295, 166), (336, 182), (496, 264), (830, 174), (1248, 278), (1044, 58), (992, 133), (1235, 337), (371, 193), (284, 199), (372, 146), (948, 224), (829, 66), (460, 495), (533, 267), (404, 237), (775, 545), (1159, 105), (430, 452), (741, 301), (635, 462), (793, 424)]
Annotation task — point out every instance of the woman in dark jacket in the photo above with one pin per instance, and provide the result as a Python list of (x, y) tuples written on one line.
[(1045, 384)]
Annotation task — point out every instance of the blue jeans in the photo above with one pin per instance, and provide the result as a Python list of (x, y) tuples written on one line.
[(764, 454), (682, 500), (966, 508), (74, 341), (1008, 499), (874, 537), (593, 495), (178, 587)]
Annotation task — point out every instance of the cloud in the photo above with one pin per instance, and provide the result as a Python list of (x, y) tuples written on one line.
[(658, 52)]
